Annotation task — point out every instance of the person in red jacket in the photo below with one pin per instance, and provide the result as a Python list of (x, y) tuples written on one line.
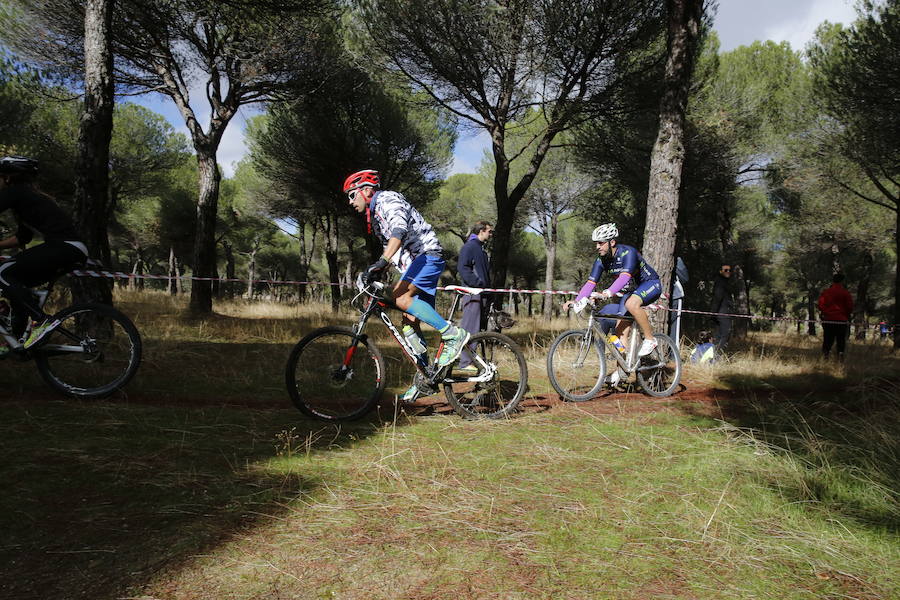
[(835, 306)]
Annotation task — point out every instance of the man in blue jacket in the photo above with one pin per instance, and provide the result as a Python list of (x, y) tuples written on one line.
[(475, 271)]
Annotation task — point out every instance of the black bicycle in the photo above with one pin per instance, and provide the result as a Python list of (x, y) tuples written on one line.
[(338, 373), (94, 351)]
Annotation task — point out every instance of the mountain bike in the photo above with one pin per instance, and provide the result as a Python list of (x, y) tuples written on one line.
[(579, 360), (94, 351), (338, 373)]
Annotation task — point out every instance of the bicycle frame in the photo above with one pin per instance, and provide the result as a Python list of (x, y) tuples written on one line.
[(375, 304), (627, 360), (11, 340)]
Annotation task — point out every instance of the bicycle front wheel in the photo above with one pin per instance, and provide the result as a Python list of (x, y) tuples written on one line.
[(500, 384), (660, 371), (94, 351), (576, 365), (334, 375)]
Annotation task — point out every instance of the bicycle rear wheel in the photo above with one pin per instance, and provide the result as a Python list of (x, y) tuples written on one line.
[(334, 375), (660, 371), (576, 365), (94, 351), (504, 372)]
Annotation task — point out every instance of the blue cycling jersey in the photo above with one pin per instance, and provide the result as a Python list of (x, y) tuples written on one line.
[(625, 260)]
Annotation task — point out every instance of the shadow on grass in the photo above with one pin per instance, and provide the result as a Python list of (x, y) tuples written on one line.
[(839, 431), (99, 498)]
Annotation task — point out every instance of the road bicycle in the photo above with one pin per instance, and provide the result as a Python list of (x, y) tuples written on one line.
[(579, 360), (338, 373), (94, 351)]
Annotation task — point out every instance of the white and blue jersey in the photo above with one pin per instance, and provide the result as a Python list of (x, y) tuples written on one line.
[(393, 216), (419, 258)]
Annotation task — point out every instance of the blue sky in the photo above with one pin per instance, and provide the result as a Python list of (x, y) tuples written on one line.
[(738, 22)]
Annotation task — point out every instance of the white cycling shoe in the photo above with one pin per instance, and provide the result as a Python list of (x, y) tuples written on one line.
[(647, 347)]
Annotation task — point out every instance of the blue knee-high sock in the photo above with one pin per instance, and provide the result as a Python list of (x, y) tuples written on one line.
[(426, 313)]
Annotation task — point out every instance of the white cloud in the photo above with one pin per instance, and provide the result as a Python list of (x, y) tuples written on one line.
[(233, 147), (800, 31), (469, 151)]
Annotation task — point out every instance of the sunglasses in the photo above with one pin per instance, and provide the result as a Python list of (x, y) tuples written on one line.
[(352, 194), (726, 270)]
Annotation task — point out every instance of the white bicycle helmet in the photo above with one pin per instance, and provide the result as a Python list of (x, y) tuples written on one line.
[(605, 232)]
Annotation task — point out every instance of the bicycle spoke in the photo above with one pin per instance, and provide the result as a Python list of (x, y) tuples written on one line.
[(576, 366), (500, 384), (332, 375), (93, 352), (660, 372)]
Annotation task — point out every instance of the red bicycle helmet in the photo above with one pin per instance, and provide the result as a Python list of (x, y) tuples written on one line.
[(362, 178)]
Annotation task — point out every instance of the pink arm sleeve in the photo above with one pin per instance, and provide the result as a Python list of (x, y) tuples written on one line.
[(586, 290), (619, 283)]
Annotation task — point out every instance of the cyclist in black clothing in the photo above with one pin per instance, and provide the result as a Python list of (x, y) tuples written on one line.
[(61, 250)]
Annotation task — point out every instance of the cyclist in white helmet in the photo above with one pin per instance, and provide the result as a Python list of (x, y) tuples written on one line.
[(636, 281)]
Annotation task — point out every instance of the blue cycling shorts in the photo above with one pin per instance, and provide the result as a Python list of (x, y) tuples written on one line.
[(648, 291), (424, 272)]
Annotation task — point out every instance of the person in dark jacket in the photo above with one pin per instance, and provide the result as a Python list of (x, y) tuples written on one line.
[(475, 271), (723, 305), (61, 250), (835, 305)]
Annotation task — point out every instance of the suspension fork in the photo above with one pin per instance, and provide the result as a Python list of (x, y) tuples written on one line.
[(358, 336)]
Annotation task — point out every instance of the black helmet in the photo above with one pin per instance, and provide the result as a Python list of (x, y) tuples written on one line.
[(18, 165)]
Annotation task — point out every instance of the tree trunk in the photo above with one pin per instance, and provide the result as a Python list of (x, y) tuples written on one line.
[(230, 269), (667, 159), (502, 243), (251, 273), (205, 237), (174, 274), (331, 257), (861, 314), (137, 282), (92, 201), (896, 325), (811, 297), (550, 245), (303, 267), (741, 304)]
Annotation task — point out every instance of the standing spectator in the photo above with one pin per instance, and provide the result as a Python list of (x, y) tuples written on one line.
[(836, 306), (475, 271), (724, 305), (883, 330)]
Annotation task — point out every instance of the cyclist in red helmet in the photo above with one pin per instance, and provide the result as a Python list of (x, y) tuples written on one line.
[(411, 245)]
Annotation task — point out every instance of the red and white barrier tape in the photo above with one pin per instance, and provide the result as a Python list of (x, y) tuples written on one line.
[(129, 276)]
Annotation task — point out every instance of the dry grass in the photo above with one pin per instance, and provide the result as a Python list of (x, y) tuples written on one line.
[(788, 492)]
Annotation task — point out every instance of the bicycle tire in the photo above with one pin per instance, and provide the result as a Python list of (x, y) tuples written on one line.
[(110, 352), (499, 397), (322, 387), (576, 371), (662, 380)]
